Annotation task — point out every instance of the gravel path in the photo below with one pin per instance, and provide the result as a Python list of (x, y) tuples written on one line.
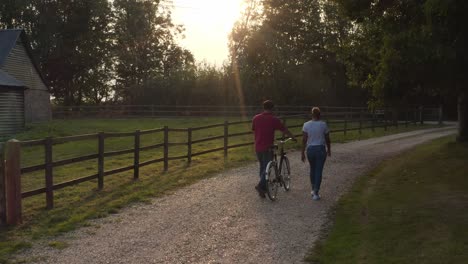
[(222, 219)]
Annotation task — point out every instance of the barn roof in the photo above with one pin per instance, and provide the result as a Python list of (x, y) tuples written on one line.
[(7, 80), (8, 39)]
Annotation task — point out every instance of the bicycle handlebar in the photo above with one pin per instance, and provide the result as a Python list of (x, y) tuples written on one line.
[(284, 141)]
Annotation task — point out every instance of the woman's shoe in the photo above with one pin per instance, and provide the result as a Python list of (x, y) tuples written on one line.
[(315, 197)]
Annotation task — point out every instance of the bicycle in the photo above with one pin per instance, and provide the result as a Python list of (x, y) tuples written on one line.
[(278, 173)]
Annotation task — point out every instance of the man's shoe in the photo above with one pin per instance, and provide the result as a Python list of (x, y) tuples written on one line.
[(261, 192)]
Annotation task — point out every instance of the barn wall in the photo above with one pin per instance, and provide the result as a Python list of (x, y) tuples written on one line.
[(11, 110), (37, 106), (37, 97)]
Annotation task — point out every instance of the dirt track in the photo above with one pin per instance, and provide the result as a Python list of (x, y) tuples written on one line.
[(222, 219)]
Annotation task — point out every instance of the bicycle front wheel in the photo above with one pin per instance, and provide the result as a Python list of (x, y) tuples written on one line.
[(271, 180), (285, 173)]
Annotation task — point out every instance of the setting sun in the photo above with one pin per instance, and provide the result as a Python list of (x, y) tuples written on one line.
[(207, 26)]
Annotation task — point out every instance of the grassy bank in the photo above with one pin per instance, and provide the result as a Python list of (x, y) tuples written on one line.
[(75, 205), (411, 209)]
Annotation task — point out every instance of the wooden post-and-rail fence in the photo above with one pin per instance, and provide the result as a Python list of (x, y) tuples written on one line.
[(11, 170), (10, 183)]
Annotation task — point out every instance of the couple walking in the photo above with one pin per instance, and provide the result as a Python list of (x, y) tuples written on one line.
[(315, 144)]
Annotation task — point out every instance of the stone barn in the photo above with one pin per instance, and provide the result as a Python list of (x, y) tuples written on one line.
[(24, 95)]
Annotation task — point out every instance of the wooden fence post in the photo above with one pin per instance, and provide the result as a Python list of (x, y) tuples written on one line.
[(49, 180), (360, 122), (441, 111), (2, 186), (396, 117), (189, 145), (284, 123), (373, 121), (136, 156), (101, 160), (166, 148), (226, 136), (385, 119), (345, 123), (406, 118), (13, 183), (421, 115)]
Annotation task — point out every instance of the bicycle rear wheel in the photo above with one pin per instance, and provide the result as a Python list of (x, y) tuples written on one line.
[(285, 172), (271, 180)]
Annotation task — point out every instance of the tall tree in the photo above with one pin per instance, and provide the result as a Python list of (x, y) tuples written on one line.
[(414, 50), (78, 55), (14, 13), (147, 55), (288, 51), (446, 20), (71, 40)]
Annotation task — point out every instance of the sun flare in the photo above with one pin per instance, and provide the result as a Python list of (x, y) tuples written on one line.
[(207, 26)]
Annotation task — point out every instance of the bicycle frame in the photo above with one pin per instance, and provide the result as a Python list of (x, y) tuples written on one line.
[(278, 180), (279, 147)]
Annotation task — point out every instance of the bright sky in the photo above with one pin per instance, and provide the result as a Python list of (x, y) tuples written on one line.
[(208, 24)]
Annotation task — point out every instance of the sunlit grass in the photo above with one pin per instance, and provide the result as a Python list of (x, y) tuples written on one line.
[(411, 209), (73, 206)]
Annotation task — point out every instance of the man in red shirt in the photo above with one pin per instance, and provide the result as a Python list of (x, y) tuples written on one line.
[(264, 126)]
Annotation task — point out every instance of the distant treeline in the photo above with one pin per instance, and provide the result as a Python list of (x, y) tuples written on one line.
[(295, 52), (126, 51)]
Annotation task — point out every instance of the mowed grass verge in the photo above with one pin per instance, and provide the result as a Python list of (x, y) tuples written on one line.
[(411, 209), (75, 205)]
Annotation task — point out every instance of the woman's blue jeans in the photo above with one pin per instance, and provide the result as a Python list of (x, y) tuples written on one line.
[(316, 156), (263, 158)]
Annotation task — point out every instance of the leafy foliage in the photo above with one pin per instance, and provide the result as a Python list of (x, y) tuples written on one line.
[(409, 52), (95, 51), (149, 63), (71, 40), (287, 50)]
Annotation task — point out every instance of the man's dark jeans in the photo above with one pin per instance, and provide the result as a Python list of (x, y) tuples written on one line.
[(263, 158)]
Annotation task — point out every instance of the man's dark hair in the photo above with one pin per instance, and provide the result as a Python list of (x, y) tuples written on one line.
[(268, 105)]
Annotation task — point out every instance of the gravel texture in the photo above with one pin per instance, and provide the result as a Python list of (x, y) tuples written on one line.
[(223, 220)]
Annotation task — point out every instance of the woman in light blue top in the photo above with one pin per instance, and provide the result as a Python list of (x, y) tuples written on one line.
[(315, 136)]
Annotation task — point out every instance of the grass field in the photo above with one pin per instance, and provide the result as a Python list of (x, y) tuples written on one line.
[(75, 205), (411, 209)]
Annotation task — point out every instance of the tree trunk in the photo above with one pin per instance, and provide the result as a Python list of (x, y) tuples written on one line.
[(463, 117), (395, 112)]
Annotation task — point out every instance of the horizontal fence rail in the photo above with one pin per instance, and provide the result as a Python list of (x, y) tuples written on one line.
[(136, 111), (100, 111), (342, 122)]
